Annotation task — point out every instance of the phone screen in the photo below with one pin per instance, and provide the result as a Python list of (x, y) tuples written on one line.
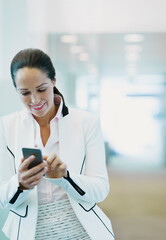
[(33, 151)]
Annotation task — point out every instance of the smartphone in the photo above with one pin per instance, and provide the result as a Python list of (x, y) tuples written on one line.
[(33, 151)]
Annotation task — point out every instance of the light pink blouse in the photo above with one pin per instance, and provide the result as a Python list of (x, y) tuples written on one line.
[(48, 192)]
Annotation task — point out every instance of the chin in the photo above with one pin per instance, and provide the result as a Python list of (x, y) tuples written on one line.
[(37, 114)]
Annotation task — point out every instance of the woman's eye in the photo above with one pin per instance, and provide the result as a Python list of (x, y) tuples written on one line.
[(24, 93), (42, 90)]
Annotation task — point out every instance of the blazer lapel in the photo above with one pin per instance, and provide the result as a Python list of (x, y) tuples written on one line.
[(25, 137), (71, 146), (64, 139)]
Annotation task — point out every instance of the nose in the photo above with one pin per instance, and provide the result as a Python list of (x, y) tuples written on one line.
[(35, 98)]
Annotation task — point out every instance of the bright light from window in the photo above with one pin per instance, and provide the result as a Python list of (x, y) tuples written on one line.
[(76, 49), (128, 123), (84, 57), (133, 38), (69, 38)]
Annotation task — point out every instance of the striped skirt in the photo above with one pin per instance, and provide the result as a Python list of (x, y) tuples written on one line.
[(58, 221)]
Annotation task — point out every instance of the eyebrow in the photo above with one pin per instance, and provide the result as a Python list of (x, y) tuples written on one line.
[(42, 85), (36, 87)]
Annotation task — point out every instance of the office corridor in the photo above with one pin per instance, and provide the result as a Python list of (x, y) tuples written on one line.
[(136, 204)]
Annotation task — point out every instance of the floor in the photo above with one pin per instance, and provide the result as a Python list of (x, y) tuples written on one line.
[(136, 204)]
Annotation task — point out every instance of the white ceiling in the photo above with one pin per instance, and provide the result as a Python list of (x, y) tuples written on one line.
[(101, 26), (97, 16)]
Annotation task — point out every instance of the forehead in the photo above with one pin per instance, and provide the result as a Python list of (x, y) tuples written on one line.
[(31, 77), (30, 72)]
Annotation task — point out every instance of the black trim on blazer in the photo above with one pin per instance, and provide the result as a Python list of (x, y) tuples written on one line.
[(13, 157), (14, 198), (23, 216), (82, 165), (18, 233), (87, 210), (103, 223), (19, 190), (77, 188)]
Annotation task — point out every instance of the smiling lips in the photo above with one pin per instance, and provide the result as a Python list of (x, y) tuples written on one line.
[(38, 107)]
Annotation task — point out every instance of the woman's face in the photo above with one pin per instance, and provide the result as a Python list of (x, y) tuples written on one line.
[(36, 91)]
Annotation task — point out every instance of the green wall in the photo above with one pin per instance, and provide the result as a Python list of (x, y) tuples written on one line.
[(3, 216)]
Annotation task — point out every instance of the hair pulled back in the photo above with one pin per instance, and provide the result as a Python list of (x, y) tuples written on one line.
[(33, 58)]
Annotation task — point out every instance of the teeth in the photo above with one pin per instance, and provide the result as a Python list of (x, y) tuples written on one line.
[(37, 107)]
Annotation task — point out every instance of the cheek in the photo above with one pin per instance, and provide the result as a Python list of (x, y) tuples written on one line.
[(49, 96), (25, 100)]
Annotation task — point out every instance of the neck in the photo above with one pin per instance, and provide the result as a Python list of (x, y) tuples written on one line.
[(45, 120)]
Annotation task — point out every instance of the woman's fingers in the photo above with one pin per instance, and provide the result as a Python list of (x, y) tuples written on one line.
[(37, 176), (45, 157), (28, 178), (63, 168), (56, 168), (34, 170), (29, 182), (53, 161), (26, 162), (37, 168), (51, 158)]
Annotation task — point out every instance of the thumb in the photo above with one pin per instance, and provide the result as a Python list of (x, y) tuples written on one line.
[(51, 158)]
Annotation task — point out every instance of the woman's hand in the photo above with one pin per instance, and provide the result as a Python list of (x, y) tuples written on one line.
[(28, 178), (56, 168)]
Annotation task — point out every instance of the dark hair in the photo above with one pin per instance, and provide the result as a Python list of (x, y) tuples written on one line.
[(33, 58)]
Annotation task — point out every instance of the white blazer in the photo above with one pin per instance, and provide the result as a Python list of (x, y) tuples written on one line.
[(81, 148)]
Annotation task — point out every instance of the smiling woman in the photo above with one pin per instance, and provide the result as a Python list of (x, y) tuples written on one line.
[(57, 198), (36, 92)]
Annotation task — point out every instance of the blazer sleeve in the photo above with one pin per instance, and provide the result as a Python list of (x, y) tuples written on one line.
[(9, 186), (92, 184)]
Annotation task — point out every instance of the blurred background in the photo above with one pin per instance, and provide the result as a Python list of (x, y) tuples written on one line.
[(110, 59)]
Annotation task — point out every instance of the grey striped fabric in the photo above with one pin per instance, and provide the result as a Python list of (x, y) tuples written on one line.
[(58, 221)]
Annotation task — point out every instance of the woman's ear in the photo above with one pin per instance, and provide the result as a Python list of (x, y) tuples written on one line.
[(54, 81)]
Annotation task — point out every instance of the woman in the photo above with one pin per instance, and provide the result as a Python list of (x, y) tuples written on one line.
[(57, 198)]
